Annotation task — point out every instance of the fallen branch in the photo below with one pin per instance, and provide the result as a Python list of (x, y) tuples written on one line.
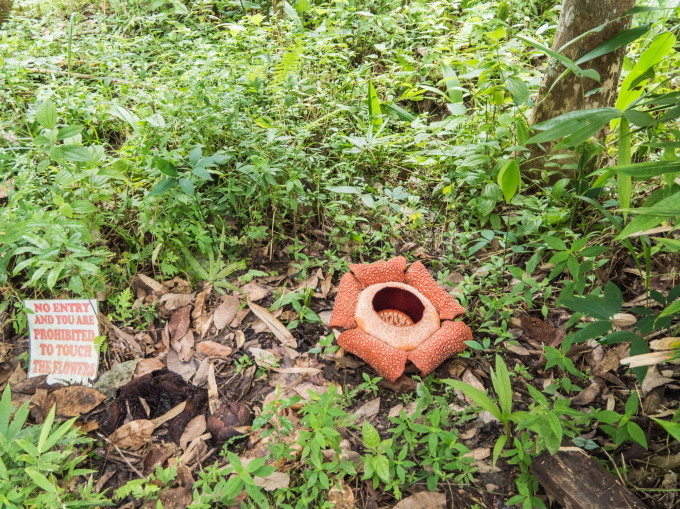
[(578, 481)]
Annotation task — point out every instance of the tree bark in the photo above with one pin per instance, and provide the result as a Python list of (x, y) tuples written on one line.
[(5, 7), (569, 94)]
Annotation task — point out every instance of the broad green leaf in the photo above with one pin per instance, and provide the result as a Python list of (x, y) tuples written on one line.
[(639, 118), (479, 397), (41, 480), (370, 435), (83, 207), (165, 167), (593, 330), (452, 84), (518, 89), (399, 112), (125, 115), (671, 309), (643, 223), (498, 448), (5, 409), (68, 131), (45, 430), (162, 187), (647, 169), (576, 126), (612, 44), (374, 111), (555, 243), (76, 153), (655, 211), (624, 182), (636, 433), (344, 189), (382, 468), (47, 115), (660, 46), (672, 428), (509, 179), (187, 186), (568, 63), (500, 379), (613, 297)]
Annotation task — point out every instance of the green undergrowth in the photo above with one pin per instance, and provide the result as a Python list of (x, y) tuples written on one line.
[(207, 139)]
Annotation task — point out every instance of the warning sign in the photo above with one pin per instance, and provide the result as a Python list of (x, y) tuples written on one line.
[(62, 340)]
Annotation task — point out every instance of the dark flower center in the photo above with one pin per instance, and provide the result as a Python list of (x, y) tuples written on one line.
[(398, 306)]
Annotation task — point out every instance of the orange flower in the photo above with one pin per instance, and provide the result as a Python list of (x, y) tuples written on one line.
[(394, 315)]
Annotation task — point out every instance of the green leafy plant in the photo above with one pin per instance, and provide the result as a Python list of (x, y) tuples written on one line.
[(39, 463)]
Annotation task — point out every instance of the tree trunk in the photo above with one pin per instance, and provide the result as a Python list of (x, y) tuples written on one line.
[(5, 7), (569, 94)]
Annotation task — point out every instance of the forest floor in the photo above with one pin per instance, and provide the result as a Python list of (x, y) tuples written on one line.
[(207, 172)]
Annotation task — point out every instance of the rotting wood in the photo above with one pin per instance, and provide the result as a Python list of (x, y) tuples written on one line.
[(578, 481)]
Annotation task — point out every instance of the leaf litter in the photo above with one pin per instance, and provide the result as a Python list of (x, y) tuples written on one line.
[(173, 394)]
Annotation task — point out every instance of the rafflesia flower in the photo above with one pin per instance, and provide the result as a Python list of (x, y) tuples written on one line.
[(393, 315)]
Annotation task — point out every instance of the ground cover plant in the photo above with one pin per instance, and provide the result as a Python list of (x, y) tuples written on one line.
[(208, 170)]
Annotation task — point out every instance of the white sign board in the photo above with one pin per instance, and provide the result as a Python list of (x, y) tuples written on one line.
[(62, 336)]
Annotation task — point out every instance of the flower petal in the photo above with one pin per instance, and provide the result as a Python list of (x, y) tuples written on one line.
[(440, 346), (380, 272), (346, 302), (388, 362), (418, 277)]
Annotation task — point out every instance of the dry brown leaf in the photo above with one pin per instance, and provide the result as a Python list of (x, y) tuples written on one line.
[(653, 379), (274, 481), (194, 428), (297, 371), (518, 350), (185, 369), (195, 450), (213, 349), (226, 311), (311, 282), (258, 326), (341, 496), (240, 339), (201, 376), (179, 497), (184, 346), (76, 400), (179, 322), (470, 379), (611, 359), (479, 453), (148, 285), (423, 500), (255, 291), (325, 286), (623, 320), (117, 336), (367, 411), (133, 435), (202, 319), (587, 395), (170, 414), (173, 301), (213, 393), (157, 455), (276, 327), (240, 315), (325, 316), (148, 365)]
